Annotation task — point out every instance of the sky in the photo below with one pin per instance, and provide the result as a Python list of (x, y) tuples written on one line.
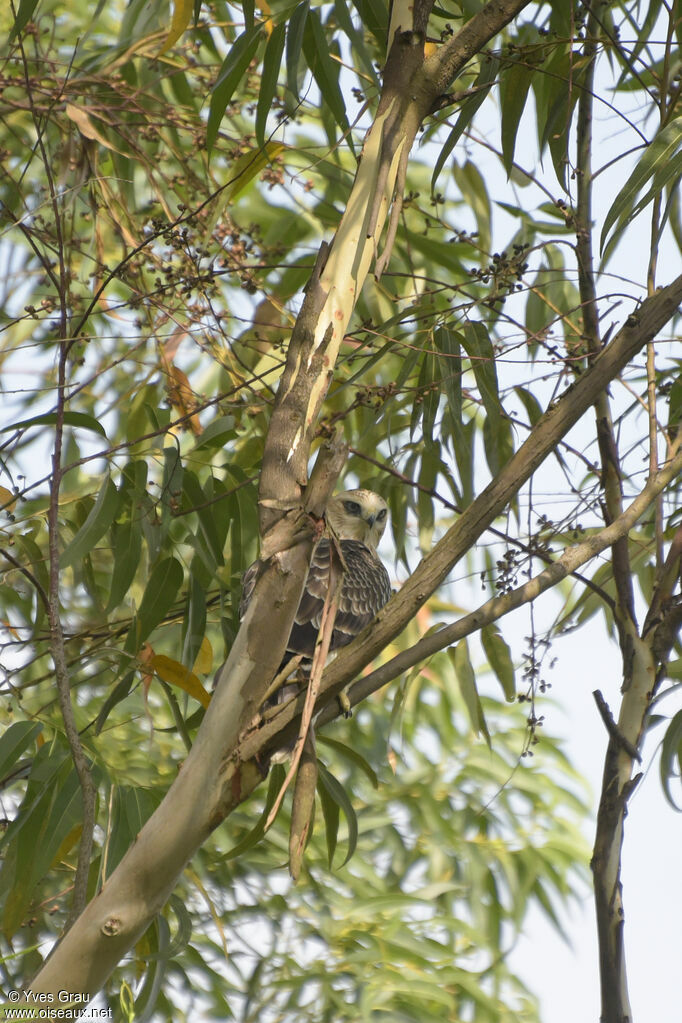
[(565, 976)]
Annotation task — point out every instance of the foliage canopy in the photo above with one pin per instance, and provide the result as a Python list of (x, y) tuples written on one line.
[(166, 183)]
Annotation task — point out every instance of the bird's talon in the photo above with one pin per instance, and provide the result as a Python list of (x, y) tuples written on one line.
[(344, 704)]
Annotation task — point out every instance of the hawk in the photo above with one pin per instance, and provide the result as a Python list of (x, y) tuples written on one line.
[(358, 519)]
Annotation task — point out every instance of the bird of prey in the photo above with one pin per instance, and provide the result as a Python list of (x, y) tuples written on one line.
[(358, 519)]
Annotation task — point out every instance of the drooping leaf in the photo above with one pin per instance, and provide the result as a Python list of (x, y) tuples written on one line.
[(79, 419), (159, 595), (233, 68), (466, 677), (332, 788), (24, 15), (116, 696), (482, 87), (14, 741), (448, 343), (348, 753), (499, 659), (182, 15), (99, 520), (272, 59), (325, 71), (671, 759), (295, 30), (660, 162), (177, 674), (515, 85), (479, 348), (242, 172)]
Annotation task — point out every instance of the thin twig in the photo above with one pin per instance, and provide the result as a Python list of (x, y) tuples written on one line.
[(58, 649), (29, 575)]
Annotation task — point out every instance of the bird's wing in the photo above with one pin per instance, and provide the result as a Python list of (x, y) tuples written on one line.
[(366, 588)]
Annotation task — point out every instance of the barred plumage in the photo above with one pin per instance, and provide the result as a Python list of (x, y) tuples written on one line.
[(358, 518)]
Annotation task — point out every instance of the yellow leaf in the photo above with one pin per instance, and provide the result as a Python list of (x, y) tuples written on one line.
[(81, 118), (246, 167), (182, 12), (67, 844), (177, 674), (7, 499), (204, 661)]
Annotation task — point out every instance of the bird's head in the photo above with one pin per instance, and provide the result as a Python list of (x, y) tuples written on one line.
[(358, 515)]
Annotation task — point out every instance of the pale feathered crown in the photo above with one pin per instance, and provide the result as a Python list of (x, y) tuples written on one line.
[(358, 515)]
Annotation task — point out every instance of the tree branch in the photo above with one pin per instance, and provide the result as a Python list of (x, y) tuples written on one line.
[(446, 63), (497, 607), (611, 477), (639, 329)]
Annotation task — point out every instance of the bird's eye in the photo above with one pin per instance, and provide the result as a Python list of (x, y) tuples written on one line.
[(352, 507), (382, 515)]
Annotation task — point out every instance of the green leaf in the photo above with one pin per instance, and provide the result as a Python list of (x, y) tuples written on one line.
[(216, 433), (48, 812), (196, 499), (463, 443), (671, 758), (471, 184), (466, 677), (374, 17), (295, 30), (117, 695), (429, 393), (448, 342), (657, 162), (127, 539), (675, 406), (182, 14), (530, 403), (159, 596), (24, 15), (194, 623), (499, 659), (132, 808), (14, 741), (514, 86), (232, 71), (272, 60), (65, 813), (328, 784), (242, 172), (332, 815), (79, 419), (325, 71), (101, 516), (480, 350), (357, 40), (350, 754), (498, 443), (483, 85)]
